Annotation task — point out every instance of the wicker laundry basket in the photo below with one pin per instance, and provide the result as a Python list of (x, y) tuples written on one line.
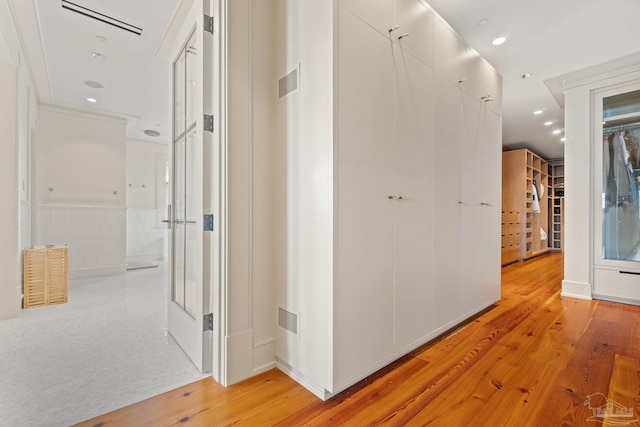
[(46, 276)]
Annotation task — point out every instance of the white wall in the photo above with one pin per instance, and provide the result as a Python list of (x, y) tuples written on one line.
[(81, 158), (17, 117), (80, 162), (577, 214), (146, 200), (255, 191), (305, 134), (267, 201), (10, 285)]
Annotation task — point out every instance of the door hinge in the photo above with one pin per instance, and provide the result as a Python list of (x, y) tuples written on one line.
[(208, 123), (207, 324), (208, 24), (208, 222)]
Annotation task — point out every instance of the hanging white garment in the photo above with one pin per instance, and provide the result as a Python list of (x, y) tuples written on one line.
[(621, 171), (535, 204), (543, 234)]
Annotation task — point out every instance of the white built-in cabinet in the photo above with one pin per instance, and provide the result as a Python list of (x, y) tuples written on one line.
[(417, 183), (410, 194)]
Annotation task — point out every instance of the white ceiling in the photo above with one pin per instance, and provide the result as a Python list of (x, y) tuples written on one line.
[(136, 83), (545, 38)]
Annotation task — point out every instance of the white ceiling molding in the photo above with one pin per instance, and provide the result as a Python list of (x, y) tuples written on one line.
[(84, 112), (25, 17), (171, 38), (618, 67)]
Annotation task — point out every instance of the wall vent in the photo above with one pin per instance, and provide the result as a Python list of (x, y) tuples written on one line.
[(85, 11), (288, 320), (289, 84)]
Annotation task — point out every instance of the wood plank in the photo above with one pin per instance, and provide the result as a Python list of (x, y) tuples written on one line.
[(624, 393), (531, 360)]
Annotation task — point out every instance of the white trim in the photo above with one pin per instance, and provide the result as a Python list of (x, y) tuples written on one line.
[(301, 379), (263, 356), (588, 76), (240, 346), (170, 36), (576, 290), (69, 110), (160, 145), (81, 273), (220, 261), (617, 299)]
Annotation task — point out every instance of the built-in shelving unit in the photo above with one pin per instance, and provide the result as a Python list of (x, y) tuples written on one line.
[(556, 212), (522, 221)]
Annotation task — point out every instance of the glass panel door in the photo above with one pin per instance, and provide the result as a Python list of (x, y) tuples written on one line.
[(621, 177), (189, 297), (185, 274)]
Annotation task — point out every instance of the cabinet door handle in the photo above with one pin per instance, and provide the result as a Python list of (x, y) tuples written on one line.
[(403, 36), (168, 220), (393, 197), (405, 197), (392, 29)]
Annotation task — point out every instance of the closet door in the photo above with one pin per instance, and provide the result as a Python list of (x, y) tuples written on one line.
[(447, 262), (377, 13), (364, 213), (456, 61), (414, 187), (415, 23), (492, 87), (480, 219)]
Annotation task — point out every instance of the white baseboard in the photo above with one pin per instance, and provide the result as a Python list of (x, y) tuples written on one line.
[(81, 273), (578, 290), (264, 356)]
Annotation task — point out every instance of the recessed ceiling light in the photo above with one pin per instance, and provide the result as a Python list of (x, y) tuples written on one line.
[(498, 41), (97, 56), (102, 39), (557, 132), (93, 84), (483, 22), (525, 76), (92, 100), (538, 112), (549, 123), (151, 132)]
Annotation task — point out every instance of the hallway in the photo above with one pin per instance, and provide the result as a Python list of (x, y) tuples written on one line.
[(106, 348), (534, 359)]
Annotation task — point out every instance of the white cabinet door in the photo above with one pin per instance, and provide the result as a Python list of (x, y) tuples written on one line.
[(493, 88), (377, 13), (455, 60), (414, 186), (446, 233), (364, 219), (415, 29), (480, 219)]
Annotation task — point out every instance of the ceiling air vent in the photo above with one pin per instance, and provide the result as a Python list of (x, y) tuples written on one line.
[(82, 10)]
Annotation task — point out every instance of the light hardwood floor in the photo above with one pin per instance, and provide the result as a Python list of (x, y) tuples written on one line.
[(531, 360)]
